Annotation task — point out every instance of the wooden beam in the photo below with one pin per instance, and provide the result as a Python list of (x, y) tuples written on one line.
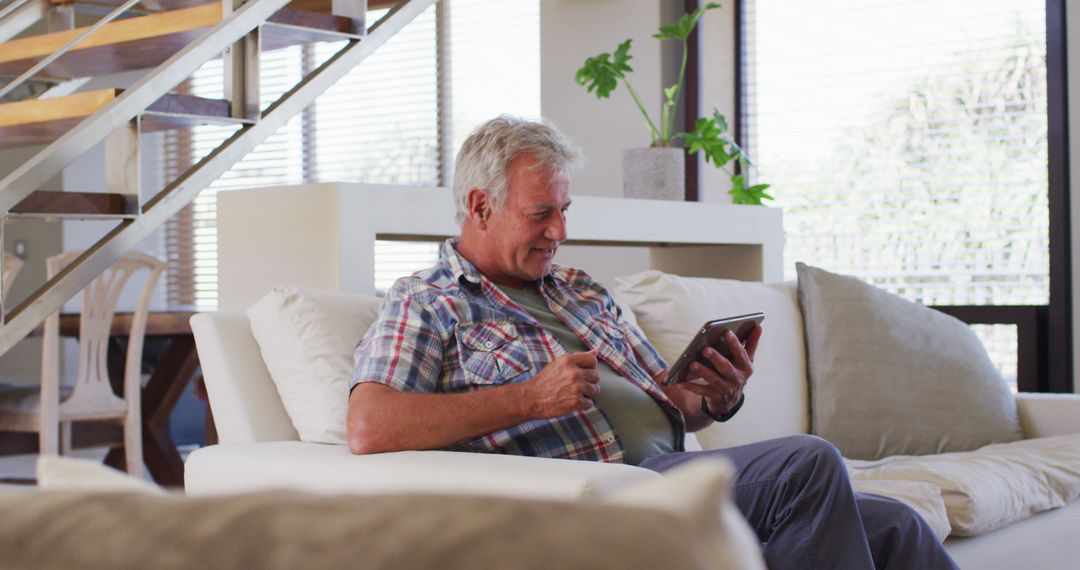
[(43, 110), (41, 121), (146, 41), (50, 202)]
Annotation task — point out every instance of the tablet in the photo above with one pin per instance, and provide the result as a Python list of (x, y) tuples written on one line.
[(712, 334)]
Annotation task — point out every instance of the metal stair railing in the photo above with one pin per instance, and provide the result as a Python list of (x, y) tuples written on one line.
[(51, 160), (119, 11), (20, 15)]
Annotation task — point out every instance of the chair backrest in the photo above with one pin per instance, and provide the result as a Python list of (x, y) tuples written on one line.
[(12, 265), (99, 302)]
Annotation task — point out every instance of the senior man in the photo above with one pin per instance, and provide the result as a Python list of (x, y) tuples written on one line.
[(497, 350)]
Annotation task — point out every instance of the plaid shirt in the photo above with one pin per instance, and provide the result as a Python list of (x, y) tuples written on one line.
[(449, 329)]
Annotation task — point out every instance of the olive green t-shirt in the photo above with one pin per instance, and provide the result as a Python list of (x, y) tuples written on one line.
[(637, 419)]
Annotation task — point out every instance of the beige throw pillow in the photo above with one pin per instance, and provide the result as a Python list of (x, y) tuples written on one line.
[(699, 493), (923, 498), (307, 339), (992, 487), (892, 377), (685, 522)]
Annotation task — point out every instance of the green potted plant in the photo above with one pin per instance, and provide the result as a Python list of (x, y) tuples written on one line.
[(658, 171)]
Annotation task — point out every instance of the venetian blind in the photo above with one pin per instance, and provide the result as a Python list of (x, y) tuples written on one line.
[(906, 141), (491, 65), (384, 123), (363, 130)]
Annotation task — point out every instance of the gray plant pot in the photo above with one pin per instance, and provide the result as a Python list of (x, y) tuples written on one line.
[(654, 173)]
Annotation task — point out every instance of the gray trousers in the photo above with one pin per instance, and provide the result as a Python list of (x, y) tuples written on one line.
[(795, 494)]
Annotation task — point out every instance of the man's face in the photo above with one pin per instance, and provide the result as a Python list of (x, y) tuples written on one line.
[(525, 233)]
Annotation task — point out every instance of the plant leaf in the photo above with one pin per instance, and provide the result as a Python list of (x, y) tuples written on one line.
[(707, 137), (669, 94), (753, 195), (681, 28), (622, 55), (601, 73)]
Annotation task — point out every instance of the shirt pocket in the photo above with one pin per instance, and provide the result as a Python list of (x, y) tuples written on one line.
[(492, 353), (611, 333)]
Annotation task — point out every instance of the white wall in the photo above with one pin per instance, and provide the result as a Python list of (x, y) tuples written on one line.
[(572, 31), (717, 30)]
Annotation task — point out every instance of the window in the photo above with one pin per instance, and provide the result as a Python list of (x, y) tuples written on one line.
[(386, 122), (907, 143)]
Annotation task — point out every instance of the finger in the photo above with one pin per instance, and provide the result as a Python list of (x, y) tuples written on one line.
[(719, 362), (722, 392), (584, 359), (584, 403), (589, 375), (712, 377), (752, 342), (590, 391), (739, 357)]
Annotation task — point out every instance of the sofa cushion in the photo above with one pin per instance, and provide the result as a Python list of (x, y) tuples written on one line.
[(700, 492), (281, 529), (991, 487), (307, 338), (670, 309), (892, 377), (924, 498)]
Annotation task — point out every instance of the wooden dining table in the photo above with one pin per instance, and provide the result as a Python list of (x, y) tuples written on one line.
[(171, 374)]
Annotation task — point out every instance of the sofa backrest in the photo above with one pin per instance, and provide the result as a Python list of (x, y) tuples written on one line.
[(244, 399), (670, 309), (247, 403)]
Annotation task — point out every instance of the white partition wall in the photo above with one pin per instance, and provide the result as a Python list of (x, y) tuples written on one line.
[(323, 236)]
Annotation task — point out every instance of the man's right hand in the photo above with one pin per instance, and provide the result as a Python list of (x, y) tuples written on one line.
[(567, 384)]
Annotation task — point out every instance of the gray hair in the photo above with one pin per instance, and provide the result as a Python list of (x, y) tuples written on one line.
[(484, 159)]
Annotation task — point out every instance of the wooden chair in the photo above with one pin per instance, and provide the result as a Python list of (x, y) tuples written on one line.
[(50, 410)]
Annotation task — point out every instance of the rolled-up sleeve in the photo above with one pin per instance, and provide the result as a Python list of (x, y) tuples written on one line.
[(403, 348)]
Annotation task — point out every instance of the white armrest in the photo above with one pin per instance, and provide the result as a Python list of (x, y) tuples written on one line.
[(1044, 415), (244, 400), (245, 467)]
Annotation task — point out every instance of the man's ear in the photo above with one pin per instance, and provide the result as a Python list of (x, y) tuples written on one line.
[(479, 207)]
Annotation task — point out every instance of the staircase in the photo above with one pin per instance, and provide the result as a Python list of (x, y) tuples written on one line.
[(170, 39)]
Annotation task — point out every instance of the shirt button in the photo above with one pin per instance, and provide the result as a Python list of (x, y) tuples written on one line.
[(610, 439), (489, 344)]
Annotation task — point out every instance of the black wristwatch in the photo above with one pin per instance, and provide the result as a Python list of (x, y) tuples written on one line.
[(725, 417)]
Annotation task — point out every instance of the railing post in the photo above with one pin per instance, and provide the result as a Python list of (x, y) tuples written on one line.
[(242, 70), (61, 17), (356, 10), (122, 165)]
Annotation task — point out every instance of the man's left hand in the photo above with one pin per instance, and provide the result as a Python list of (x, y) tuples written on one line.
[(724, 378)]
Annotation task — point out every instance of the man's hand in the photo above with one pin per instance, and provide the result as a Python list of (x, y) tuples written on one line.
[(725, 379), (567, 384)]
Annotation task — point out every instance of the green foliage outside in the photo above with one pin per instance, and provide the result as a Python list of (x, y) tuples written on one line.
[(944, 199)]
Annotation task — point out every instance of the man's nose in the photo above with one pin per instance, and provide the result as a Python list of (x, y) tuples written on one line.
[(556, 230)]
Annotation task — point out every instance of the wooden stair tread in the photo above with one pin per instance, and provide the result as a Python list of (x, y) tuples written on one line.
[(51, 203), (41, 121), (161, 5), (146, 41)]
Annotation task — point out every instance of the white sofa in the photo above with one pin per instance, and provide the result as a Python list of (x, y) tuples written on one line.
[(260, 447)]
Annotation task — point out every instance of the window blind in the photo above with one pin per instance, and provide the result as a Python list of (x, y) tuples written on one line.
[(906, 141), (383, 123), (491, 66)]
